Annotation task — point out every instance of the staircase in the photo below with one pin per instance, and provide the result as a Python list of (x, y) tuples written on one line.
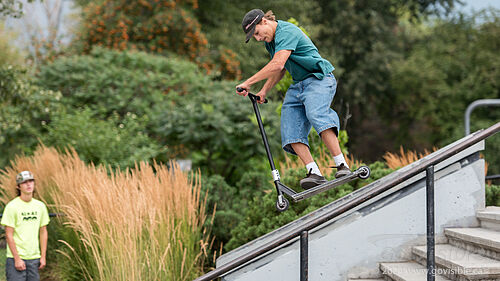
[(470, 254)]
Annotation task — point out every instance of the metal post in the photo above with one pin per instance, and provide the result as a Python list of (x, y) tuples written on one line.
[(304, 256), (431, 257)]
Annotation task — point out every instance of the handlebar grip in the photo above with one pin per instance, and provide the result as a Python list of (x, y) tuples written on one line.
[(251, 95)]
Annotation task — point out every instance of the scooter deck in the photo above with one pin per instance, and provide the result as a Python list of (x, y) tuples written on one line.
[(320, 188)]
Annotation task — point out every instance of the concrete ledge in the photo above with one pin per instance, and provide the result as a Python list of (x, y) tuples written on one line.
[(490, 217), (482, 241)]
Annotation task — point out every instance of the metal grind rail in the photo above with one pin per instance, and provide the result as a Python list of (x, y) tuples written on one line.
[(302, 231)]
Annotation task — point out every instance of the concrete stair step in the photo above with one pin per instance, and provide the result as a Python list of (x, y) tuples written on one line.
[(483, 241), (366, 279), (490, 217), (407, 271), (460, 264)]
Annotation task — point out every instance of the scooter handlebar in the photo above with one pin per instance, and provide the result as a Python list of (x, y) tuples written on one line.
[(251, 95)]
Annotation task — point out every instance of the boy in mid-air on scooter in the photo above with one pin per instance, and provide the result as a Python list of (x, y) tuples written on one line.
[(308, 99)]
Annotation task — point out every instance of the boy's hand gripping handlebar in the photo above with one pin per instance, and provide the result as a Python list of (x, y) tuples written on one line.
[(251, 95)]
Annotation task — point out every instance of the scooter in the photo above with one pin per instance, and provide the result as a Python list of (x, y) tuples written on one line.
[(282, 203)]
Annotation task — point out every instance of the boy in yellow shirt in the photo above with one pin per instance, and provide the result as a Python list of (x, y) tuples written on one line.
[(25, 219)]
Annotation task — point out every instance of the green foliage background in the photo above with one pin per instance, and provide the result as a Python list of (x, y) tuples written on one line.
[(25, 110), (406, 71)]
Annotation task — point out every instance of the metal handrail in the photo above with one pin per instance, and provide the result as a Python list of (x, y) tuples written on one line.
[(493, 177), (383, 187), (473, 105)]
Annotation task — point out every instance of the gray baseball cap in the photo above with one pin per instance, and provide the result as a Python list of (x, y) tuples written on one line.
[(250, 20), (24, 176)]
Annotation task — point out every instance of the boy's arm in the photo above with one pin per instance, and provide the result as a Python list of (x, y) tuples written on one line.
[(9, 234), (44, 237), (272, 68), (272, 81)]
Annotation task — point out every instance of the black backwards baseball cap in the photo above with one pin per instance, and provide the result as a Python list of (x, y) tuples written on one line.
[(249, 22)]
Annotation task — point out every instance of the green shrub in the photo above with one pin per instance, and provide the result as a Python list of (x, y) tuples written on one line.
[(219, 129), (115, 142), (221, 197), (232, 201), (25, 109), (112, 101), (111, 81), (435, 100), (492, 195)]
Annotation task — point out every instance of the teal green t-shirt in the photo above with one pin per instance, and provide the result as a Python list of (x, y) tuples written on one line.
[(26, 218), (305, 60)]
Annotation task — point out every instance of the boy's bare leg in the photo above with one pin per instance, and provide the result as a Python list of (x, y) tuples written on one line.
[(331, 141), (303, 152)]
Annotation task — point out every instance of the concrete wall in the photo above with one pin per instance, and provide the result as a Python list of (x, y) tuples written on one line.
[(381, 229)]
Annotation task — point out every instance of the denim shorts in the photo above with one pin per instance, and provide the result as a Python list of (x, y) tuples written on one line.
[(307, 104), (30, 274)]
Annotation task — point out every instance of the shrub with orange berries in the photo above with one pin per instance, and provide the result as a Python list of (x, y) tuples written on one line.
[(145, 25)]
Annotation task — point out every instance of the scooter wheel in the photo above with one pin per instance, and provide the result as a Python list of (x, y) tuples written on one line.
[(364, 172), (282, 207)]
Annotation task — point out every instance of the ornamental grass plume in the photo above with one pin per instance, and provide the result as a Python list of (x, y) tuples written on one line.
[(144, 223), (44, 163), (396, 161)]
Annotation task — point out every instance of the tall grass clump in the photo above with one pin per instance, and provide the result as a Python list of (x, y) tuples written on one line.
[(396, 161), (144, 223)]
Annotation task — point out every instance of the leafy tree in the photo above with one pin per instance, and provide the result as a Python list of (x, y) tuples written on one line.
[(159, 27), (454, 64), (13, 8), (25, 109), (182, 108), (224, 29), (155, 26), (362, 40), (358, 31)]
